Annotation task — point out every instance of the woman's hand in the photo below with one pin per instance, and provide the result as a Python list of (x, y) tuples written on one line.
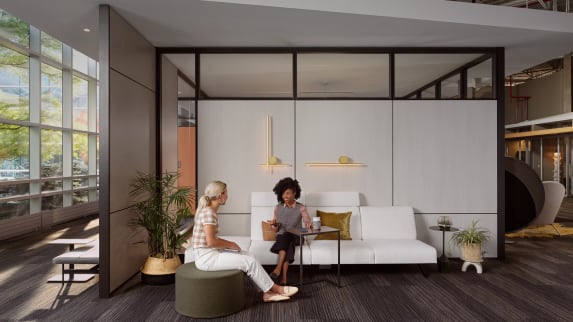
[(234, 246), (275, 225)]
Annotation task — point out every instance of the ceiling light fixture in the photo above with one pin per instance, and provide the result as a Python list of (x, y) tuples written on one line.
[(87, 29)]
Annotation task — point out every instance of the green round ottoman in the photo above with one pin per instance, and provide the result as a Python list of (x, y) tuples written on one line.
[(201, 294)]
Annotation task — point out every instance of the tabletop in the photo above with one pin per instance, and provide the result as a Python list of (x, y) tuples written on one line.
[(443, 228), (68, 241), (322, 230)]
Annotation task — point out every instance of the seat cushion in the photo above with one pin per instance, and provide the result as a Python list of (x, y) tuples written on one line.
[(402, 251), (261, 249), (325, 252)]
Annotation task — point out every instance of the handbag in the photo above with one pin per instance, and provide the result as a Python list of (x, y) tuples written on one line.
[(269, 234)]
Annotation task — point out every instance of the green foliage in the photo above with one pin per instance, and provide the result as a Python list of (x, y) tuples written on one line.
[(161, 206), (14, 29), (472, 235)]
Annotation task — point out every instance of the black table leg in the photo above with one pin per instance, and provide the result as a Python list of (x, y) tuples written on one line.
[(339, 258), (300, 263)]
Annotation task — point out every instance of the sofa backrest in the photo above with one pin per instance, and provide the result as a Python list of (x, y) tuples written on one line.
[(262, 208), (388, 222), (340, 201)]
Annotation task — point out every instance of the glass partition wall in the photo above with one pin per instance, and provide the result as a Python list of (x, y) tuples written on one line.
[(315, 74), (550, 157)]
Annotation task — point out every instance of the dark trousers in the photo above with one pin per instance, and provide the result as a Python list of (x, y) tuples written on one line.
[(286, 241)]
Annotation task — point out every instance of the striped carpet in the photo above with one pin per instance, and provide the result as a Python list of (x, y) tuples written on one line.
[(534, 283)]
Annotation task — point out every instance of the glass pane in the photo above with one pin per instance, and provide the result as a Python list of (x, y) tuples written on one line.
[(80, 159), (343, 75), (80, 183), (535, 152), (12, 190), (186, 113), (52, 185), (246, 75), (52, 202), (14, 29), (80, 103), (51, 153), (14, 209), (451, 87), (80, 62), (480, 80), (417, 71), (14, 85), (429, 93), (14, 152), (80, 197), (552, 161), (51, 95), (51, 47), (186, 68)]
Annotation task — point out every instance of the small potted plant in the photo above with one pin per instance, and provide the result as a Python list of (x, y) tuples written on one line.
[(161, 206), (471, 242)]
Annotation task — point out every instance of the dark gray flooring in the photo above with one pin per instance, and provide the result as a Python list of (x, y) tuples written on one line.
[(534, 283)]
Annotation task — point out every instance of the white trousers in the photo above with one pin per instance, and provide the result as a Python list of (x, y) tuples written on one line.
[(211, 259)]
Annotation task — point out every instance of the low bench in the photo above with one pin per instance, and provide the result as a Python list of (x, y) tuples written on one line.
[(87, 254)]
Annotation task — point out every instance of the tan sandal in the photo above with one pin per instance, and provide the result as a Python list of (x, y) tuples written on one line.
[(289, 291), (276, 298)]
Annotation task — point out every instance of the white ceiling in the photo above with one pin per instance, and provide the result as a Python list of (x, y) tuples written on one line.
[(530, 36)]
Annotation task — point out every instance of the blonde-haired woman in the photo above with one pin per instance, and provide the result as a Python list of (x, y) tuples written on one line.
[(210, 250)]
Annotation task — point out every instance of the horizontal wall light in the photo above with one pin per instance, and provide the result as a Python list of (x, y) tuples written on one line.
[(343, 161)]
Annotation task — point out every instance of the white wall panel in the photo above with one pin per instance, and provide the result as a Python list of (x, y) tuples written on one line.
[(445, 158), (361, 130), (232, 147)]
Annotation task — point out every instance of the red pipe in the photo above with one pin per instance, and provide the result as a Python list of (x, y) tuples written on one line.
[(525, 99)]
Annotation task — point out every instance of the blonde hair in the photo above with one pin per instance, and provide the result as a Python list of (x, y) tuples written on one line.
[(213, 190)]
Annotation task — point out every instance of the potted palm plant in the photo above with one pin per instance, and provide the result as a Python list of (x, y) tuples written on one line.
[(161, 206), (471, 242)]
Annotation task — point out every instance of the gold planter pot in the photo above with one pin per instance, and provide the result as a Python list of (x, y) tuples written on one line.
[(472, 253), (158, 271)]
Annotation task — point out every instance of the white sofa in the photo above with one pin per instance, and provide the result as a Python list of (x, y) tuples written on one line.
[(380, 235)]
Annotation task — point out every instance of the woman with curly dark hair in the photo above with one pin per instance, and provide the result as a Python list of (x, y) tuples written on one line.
[(287, 215)]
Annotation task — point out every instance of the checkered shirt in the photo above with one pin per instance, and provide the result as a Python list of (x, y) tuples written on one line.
[(205, 217)]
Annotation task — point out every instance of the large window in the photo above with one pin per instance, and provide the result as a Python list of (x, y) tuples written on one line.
[(48, 122)]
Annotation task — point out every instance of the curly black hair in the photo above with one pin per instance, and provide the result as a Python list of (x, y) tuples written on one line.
[(283, 185)]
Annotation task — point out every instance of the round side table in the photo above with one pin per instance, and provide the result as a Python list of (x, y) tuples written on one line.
[(444, 261)]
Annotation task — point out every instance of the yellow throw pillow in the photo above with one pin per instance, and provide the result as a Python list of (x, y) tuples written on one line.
[(335, 220)]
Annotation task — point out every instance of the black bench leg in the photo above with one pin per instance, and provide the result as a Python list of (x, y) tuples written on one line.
[(63, 274), (422, 270)]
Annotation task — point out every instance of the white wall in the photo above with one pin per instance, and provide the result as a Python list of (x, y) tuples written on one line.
[(361, 130), (232, 147), (436, 156)]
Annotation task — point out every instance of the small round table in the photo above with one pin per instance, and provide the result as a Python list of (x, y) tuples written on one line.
[(443, 261)]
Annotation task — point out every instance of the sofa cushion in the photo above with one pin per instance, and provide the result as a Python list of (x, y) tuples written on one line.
[(262, 251), (402, 251), (340, 221), (355, 222), (351, 252), (388, 222)]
